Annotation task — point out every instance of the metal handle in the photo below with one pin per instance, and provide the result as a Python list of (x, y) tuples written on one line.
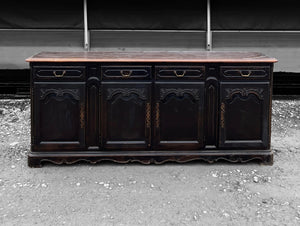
[(59, 75), (126, 74), (179, 75), (245, 75)]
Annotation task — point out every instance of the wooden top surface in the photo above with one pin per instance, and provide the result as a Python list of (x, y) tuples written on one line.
[(153, 56)]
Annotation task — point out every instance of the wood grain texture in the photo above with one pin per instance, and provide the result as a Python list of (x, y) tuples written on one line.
[(153, 56)]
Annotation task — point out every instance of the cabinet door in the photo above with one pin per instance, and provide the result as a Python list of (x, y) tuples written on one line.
[(179, 115), (59, 116), (126, 115), (244, 115)]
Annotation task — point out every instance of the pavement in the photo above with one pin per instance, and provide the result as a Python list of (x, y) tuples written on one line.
[(195, 193)]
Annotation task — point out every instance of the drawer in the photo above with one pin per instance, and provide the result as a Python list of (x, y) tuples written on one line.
[(59, 72), (245, 72), (126, 72), (179, 72)]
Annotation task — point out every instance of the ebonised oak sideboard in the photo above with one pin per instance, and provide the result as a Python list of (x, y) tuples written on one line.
[(150, 107)]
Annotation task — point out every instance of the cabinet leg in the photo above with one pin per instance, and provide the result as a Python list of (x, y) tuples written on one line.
[(268, 160), (34, 162)]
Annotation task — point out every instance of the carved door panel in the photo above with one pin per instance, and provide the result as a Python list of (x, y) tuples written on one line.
[(244, 115), (126, 115), (59, 116), (178, 118)]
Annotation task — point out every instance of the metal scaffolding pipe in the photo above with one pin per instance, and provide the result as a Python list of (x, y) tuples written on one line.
[(86, 31), (208, 31)]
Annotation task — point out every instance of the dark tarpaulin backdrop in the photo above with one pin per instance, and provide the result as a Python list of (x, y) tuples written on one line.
[(31, 14), (154, 14), (255, 15), (145, 14)]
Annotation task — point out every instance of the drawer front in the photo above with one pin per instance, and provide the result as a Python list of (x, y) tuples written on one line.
[(245, 72), (59, 72), (126, 72), (179, 72)]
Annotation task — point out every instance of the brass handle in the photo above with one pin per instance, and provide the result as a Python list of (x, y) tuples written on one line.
[(245, 75), (179, 75), (59, 75), (126, 74)]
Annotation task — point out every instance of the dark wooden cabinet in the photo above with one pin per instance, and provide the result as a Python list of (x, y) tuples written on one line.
[(150, 107)]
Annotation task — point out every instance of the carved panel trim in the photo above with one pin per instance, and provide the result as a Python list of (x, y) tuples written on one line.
[(82, 113), (126, 92), (222, 115), (157, 122), (60, 72), (148, 115), (245, 73), (164, 92), (60, 93), (37, 160), (126, 72), (244, 92)]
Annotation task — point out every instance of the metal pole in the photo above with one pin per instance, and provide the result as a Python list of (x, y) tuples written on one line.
[(86, 31), (208, 32)]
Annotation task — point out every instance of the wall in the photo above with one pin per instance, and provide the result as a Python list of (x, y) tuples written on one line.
[(270, 28)]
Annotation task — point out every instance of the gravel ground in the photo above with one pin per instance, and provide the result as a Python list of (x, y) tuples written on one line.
[(195, 193)]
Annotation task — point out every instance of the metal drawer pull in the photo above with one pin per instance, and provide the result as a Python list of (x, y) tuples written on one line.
[(59, 75), (179, 75), (126, 74), (245, 75)]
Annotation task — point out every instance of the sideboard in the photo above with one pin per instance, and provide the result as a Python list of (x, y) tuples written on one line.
[(150, 107)]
